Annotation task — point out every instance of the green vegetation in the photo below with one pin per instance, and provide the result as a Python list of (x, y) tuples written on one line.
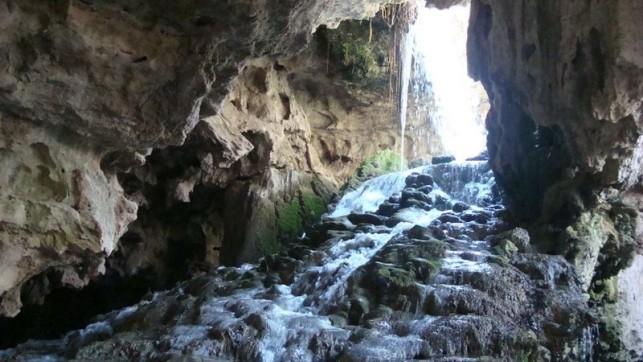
[(313, 206), (359, 51), (383, 162), (270, 246), (391, 277), (364, 52), (289, 218), (267, 239), (284, 220), (505, 249)]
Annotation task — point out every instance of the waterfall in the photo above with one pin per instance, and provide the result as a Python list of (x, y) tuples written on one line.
[(291, 312), (418, 279), (435, 77), (369, 196), (470, 182), (407, 58)]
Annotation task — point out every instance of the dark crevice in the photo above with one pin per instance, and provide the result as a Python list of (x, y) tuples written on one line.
[(140, 59), (598, 57), (68, 309), (285, 101)]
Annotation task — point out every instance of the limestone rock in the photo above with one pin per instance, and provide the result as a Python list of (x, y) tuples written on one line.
[(89, 88), (630, 309), (57, 209), (566, 83), (565, 130)]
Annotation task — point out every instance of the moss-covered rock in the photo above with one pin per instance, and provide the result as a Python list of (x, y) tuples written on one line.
[(281, 218), (359, 50), (505, 248), (289, 218), (383, 162)]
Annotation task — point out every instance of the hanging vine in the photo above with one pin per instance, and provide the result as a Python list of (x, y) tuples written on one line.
[(366, 53), (398, 17)]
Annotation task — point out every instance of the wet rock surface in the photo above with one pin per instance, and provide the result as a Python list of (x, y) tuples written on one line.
[(423, 288), (565, 136), (566, 95), (88, 89)]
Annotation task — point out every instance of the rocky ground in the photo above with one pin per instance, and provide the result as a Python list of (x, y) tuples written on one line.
[(423, 277), (112, 112)]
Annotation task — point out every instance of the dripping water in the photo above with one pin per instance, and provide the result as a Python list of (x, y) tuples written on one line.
[(407, 58), (590, 335)]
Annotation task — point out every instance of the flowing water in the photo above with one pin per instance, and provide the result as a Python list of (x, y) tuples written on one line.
[(290, 314), (369, 196), (434, 77), (404, 267)]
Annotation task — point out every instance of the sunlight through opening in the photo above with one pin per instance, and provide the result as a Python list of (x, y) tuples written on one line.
[(434, 76)]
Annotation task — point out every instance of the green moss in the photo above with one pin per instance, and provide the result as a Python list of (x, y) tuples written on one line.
[(524, 356), (271, 247), (505, 248), (604, 290), (395, 277), (610, 345), (323, 188), (359, 51), (383, 162), (423, 269), (284, 217), (294, 216), (266, 238), (289, 218), (313, 206)]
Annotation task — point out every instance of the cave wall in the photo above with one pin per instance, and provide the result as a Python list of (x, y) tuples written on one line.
[(263, 147), (566, 139), (288, 134), (89, 88), (565, 82), (58, 210), (106, 107)]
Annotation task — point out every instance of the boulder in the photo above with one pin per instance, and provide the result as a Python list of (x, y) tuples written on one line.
[(436, 160), (371, 219), (416, 180)]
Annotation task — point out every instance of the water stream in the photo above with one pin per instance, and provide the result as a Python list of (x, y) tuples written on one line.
[(402, 268), (434, 83), (321, 283)]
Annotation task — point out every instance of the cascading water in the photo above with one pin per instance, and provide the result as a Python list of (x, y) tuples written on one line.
[(320, 286), (369, 196), (405, 77), (434, 76), (405, 268)]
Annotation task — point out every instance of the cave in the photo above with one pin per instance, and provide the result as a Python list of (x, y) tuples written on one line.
[(321, 180)]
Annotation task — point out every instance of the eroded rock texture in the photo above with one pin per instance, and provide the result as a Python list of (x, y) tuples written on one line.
[(208, 117), (565, 80), (566, 132), (89, 88), (59, 211)]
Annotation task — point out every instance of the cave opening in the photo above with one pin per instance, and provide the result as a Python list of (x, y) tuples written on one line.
[(206, 144), (438, 94), (435, 88)]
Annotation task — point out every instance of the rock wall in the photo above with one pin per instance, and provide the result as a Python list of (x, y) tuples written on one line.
[(629, 306), (565, 79), (566, 134), (289, 132), (58, 210), (89, 88), (228, 137), (226, 152)]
